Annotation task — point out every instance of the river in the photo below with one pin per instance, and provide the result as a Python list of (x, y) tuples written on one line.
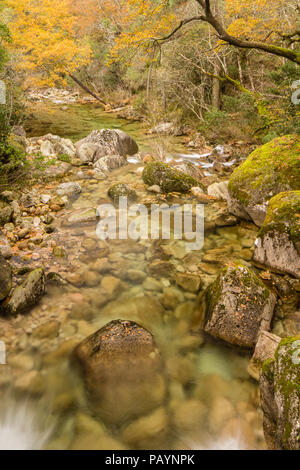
[(211, 401)]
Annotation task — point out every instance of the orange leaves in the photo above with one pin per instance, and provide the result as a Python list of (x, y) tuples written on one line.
[(45, 41)]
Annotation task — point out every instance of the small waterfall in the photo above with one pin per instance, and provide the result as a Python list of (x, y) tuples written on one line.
[(21, 427)]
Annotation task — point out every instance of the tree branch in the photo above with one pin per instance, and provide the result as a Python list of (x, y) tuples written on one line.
[(213, 21)]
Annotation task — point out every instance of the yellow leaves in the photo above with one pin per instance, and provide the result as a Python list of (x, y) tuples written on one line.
[(257, 19), (142, 22), (45, 40)]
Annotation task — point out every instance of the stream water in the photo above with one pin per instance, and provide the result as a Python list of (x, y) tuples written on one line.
[(209, 402)]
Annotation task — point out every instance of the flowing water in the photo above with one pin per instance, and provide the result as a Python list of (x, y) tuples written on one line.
[(208, 400)]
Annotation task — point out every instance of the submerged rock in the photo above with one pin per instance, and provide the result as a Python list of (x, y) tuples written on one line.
[(27, 294), (105, 142), (167, 178), (123, 371), (68, 189), (280, 396), (121, 190), (278, 242), (81, 217), (5, 278), (236, 307), (269, 170)]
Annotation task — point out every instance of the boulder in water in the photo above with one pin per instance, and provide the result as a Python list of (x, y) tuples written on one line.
[(105, 142), (122, 368), (236, 307)]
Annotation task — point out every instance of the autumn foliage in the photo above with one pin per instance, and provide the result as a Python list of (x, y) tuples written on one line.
[(45, 41)]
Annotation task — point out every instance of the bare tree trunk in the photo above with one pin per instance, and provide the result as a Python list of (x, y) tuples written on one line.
[(85, 88), (216, 88)]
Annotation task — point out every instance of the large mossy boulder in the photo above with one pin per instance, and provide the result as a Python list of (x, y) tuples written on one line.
[(269, 170), (5, 278), (122, 369), (237, 307), (28, 293), (168, 179), (278, 242), (280, 396)]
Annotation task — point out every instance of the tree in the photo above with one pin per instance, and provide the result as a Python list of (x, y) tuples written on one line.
[(243, 24), (225, 35), (45, 41)]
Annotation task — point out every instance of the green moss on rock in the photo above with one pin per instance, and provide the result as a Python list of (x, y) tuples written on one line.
[(287, 391), (236, 307), (121, 190), (269, 170), (168, 179), (283, 216)]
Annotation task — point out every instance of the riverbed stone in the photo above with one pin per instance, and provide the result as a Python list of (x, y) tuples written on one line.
[(27, 294), (280, 396), (5, 278), (278, 242), (188, 415), (218, 190), (120, 190), (5, 215), (189, 282), (122, 368), (161, 269), (81, 217), (236, 307), (48, 330), (69, 189), (269, 170), (167, 178), (148, 431)]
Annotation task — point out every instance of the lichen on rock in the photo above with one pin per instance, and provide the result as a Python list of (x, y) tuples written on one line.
[(269, 170)]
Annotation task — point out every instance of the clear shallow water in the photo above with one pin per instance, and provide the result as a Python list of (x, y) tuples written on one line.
[(208, 400)]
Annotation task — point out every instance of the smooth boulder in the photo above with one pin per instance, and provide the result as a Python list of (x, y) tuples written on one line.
[(100, 143), (236, 307), (269, 170), (122, 368), (278, 242)]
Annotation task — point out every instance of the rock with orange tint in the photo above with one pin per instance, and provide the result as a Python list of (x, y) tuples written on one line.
[(123, 371)]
